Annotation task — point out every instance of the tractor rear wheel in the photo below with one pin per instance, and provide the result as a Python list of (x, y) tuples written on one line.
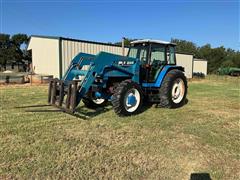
[(127, 99), (173, 90)]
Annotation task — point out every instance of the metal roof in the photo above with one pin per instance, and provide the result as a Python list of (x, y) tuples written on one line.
[(151, 41), (77, 40), (46, 37)]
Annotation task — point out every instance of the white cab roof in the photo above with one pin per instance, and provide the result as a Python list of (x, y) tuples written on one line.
[(151, 41)]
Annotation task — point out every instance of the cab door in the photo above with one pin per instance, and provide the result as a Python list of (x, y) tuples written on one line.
[(157, 60)]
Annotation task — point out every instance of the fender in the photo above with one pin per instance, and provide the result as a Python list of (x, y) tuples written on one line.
[(161, 75)]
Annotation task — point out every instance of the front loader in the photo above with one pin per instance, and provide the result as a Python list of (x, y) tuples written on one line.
[(147, 74)]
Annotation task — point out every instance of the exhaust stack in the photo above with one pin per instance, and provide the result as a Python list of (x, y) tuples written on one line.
[(123, 48)]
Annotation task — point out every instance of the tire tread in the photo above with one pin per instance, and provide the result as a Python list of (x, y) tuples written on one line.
[(166, 89)]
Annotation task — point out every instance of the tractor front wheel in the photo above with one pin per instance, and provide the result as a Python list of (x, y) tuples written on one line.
[(173, 90), (93, 103), (127, 99)]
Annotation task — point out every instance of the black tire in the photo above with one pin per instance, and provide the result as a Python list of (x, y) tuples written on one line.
[(166, 99), (119, 97), (89, 103)]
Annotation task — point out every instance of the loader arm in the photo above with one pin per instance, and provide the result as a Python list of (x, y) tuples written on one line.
[(81, 75)]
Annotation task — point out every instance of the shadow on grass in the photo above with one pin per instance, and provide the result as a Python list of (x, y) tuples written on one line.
[(86, 113), (44, 110), (200, 176), (81, 112), (32, 106), (183, 104)]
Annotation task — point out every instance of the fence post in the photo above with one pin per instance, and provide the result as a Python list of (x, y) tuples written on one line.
[(7, 79)]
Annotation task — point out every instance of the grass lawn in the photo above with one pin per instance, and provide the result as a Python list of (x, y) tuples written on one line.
[(201, 137)]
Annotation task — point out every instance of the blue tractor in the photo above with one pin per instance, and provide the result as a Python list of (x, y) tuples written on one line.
[(147, 74)]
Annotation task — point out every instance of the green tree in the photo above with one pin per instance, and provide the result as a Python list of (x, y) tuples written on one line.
[(204, 52), (19, 40), (236, 59), (184, 46), (219, 57), (12, 48), (216, 58), (6, 49)]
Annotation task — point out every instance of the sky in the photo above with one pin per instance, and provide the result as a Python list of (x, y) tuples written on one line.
[(201, 21)]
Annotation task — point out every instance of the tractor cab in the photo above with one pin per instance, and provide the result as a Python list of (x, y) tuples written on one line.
[(154, 55)]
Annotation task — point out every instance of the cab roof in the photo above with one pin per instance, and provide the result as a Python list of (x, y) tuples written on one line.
[(152, 41)]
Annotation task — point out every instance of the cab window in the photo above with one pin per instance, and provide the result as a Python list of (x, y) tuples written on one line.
[(171, 55), (133, 52), (157, 55), (143, 56), (139, 52)]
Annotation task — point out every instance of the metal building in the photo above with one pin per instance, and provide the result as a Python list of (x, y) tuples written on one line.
[(200, 66), (52, 55), (186, 61)]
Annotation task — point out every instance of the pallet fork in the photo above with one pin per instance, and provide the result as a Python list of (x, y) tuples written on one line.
[(57, 92)]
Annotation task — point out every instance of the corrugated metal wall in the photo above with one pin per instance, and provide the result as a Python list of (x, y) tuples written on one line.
[(71, 48)]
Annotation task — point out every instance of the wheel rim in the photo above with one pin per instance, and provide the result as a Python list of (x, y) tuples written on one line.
[(98, 101), (132, 93), (178, 90)]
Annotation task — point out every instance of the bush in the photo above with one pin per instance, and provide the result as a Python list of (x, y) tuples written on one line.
[(198, 75)]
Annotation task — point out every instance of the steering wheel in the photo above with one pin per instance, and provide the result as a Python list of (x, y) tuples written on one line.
[(156, 63)]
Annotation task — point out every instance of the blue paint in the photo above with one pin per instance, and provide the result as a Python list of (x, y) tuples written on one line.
[(160, 77), (98, 94), (131, 100)]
